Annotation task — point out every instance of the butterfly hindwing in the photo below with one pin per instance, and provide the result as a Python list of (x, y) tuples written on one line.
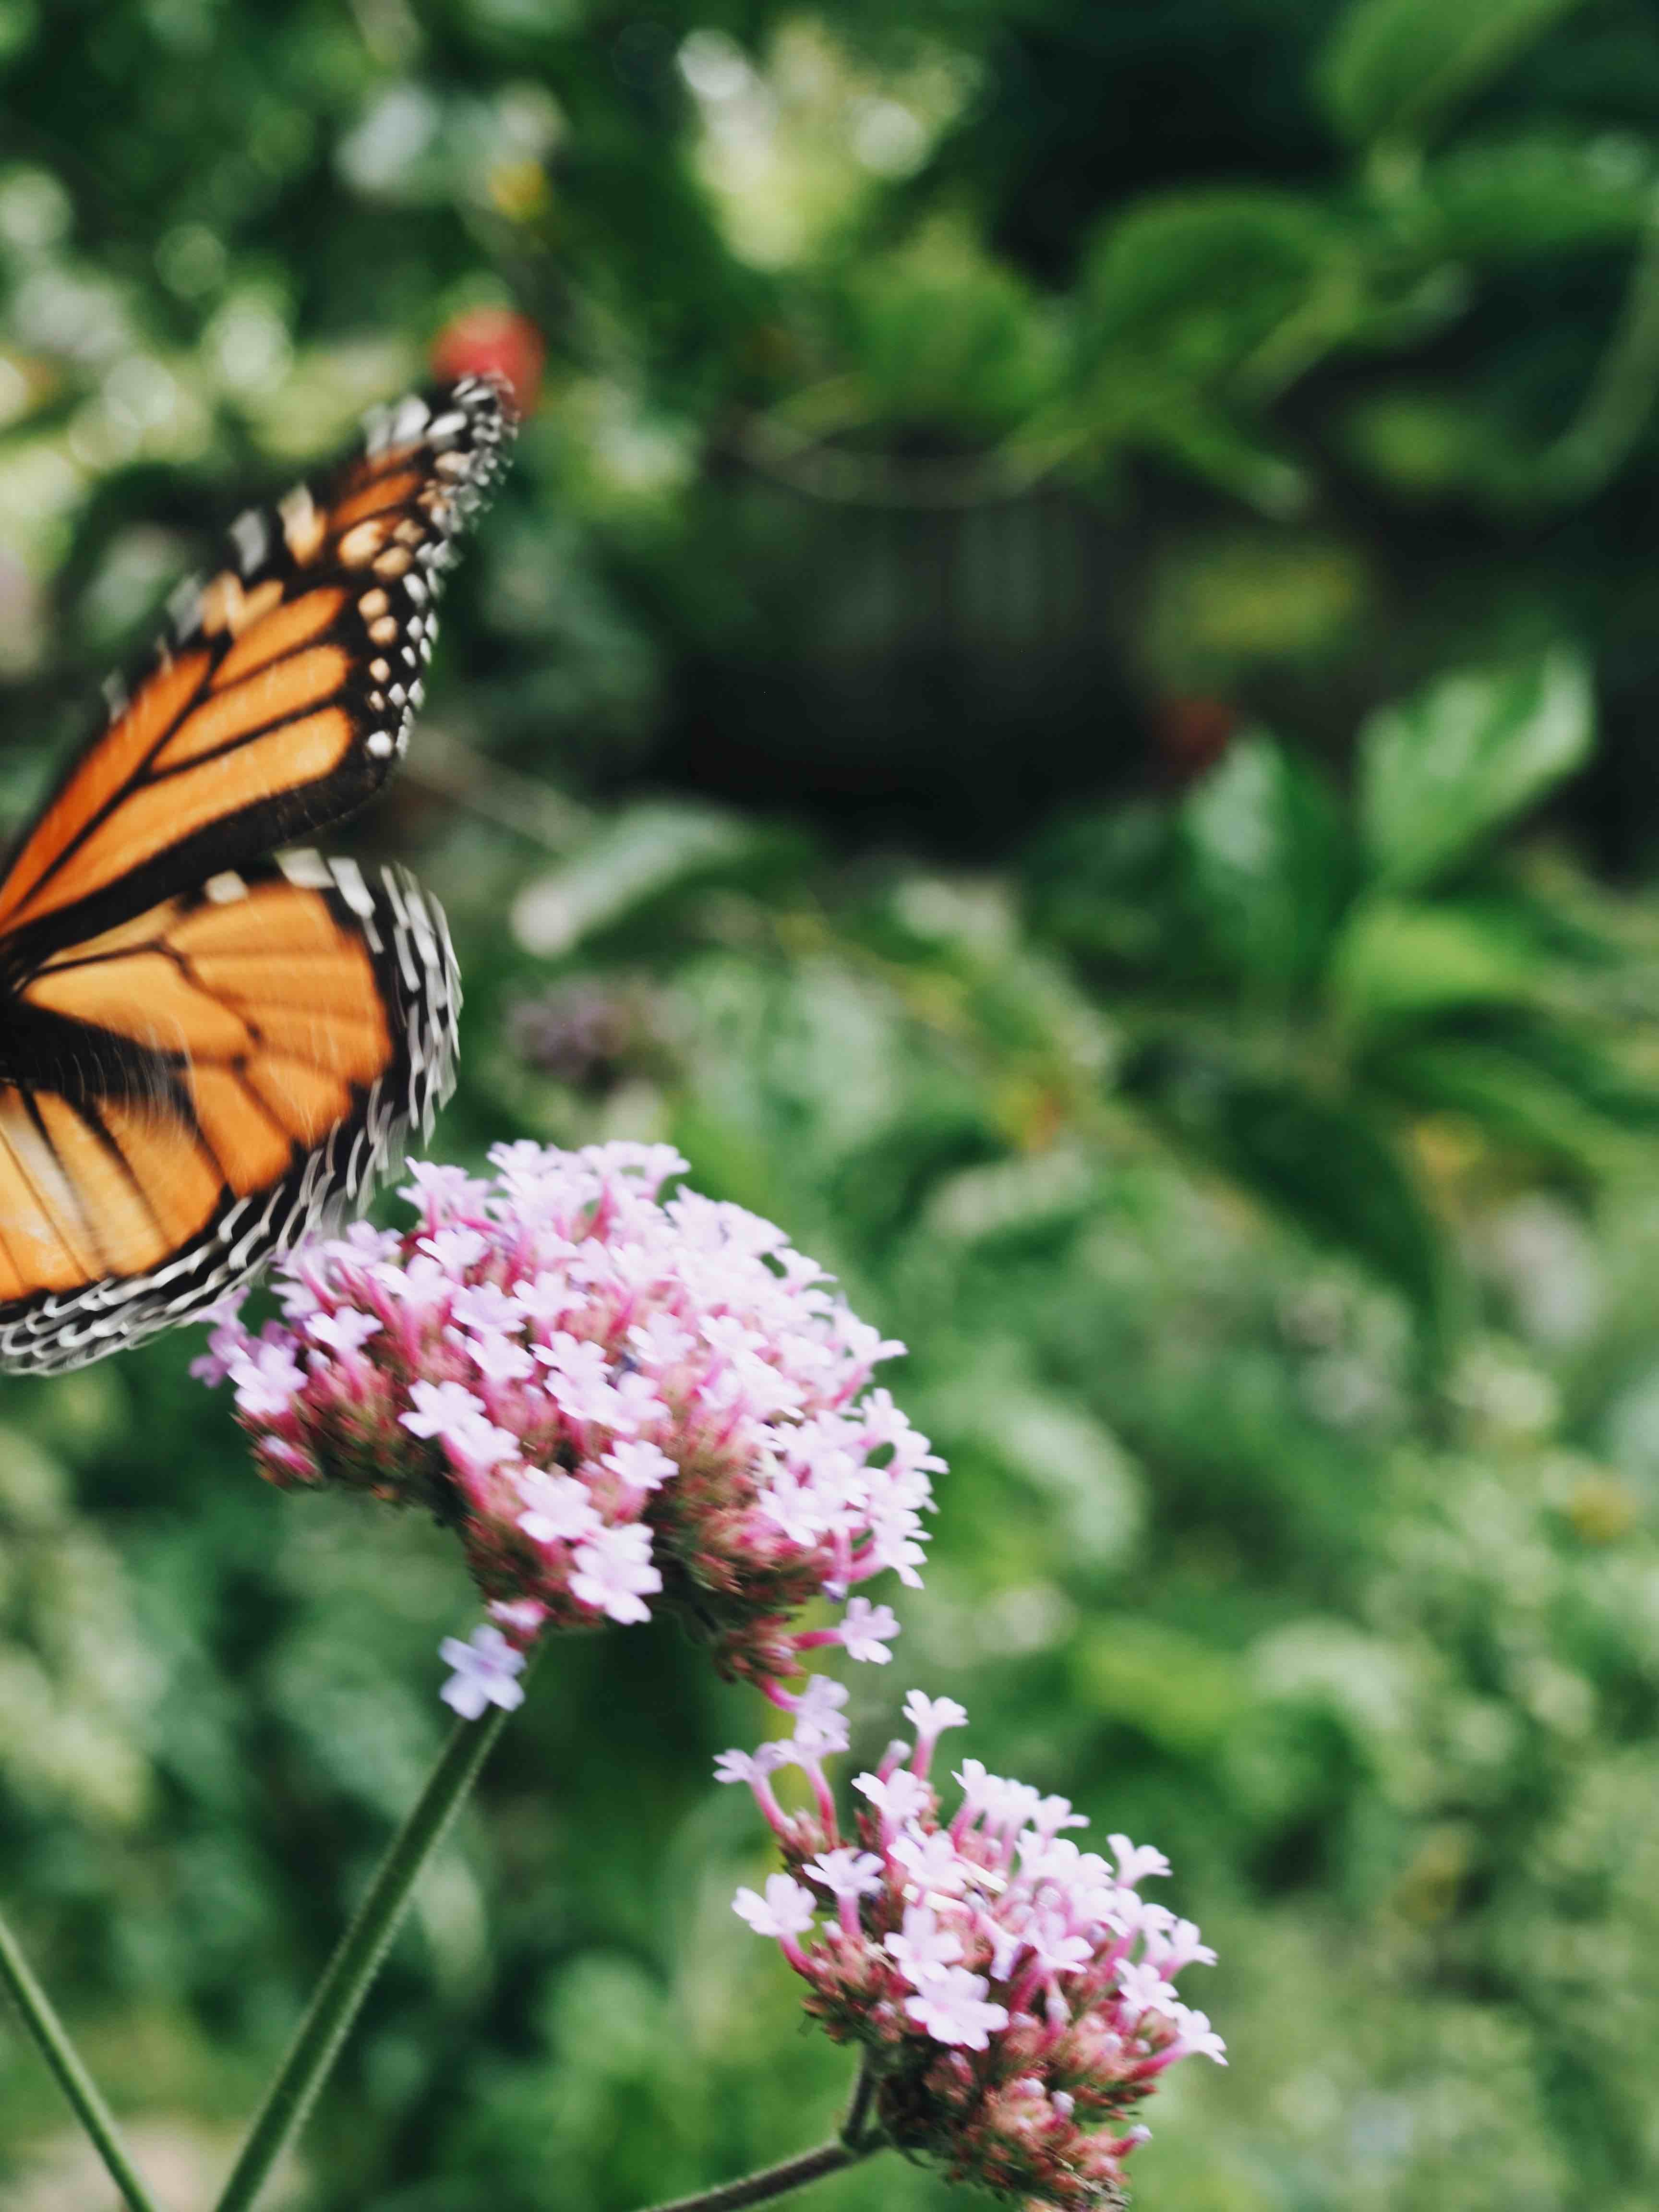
[(283, 693), (207, 1081)]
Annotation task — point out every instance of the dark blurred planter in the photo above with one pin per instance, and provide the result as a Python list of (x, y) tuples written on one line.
[(943, 676)]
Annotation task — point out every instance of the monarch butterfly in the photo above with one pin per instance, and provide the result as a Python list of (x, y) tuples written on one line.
[(205, 1049)]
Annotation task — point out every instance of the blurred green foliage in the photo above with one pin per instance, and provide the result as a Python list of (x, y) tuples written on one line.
[(1062, 694), (1303, 982)]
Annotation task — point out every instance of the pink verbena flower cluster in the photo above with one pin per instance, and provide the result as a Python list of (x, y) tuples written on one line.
[(1014, 1995), (615, 1399)]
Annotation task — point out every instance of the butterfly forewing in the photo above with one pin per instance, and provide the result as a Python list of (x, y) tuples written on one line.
[(283, 694)]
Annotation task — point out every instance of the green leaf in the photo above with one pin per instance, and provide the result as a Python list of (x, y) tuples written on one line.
[(1427, 444), (1269, 865), (1324, 1163), (1198, 434), (1394, 69), (1517, 1102), (1335, 1173), (1108, 888), (1199, 303), (632, 860), (1440, 772), (1199, 280), (1030, 1201), (940, 335), (1527, 1078), (1520, 199), (1396, 962)]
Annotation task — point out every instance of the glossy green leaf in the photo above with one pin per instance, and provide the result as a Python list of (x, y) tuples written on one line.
[(631, 860), (1198, 281), (1398, 961), (1270, 863), (1441, 771), (1396, 68), (1519, 199)]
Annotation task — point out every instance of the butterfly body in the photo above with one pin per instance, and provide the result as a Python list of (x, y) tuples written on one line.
[(203, 1048)]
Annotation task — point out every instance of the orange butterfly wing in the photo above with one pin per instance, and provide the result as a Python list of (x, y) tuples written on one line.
[(191, 1072), (282, 695), (207, 1077)]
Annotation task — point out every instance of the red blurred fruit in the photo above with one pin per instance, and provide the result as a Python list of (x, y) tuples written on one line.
[(498, 338)]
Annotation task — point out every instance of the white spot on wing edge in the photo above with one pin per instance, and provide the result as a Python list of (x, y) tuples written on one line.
[(348, 878), (251, 535), (185, 606), (306, 868), (409, 420)]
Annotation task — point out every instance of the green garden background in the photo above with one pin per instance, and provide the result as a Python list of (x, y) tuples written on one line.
[(1064, 693)]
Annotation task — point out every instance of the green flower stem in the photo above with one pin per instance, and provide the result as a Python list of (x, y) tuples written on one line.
[(77, 2085), (773, 2180), (856, 2129), (855, 2142), (361, 1951)]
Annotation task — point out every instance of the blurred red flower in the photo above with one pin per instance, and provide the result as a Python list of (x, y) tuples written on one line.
[(1191, 732), (498, 338)]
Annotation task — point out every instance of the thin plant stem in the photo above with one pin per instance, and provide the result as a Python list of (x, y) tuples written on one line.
[(77, 2085), (1617, 407), (855, 2141), (358, 1959), (773, 2180), (855, 2124)]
